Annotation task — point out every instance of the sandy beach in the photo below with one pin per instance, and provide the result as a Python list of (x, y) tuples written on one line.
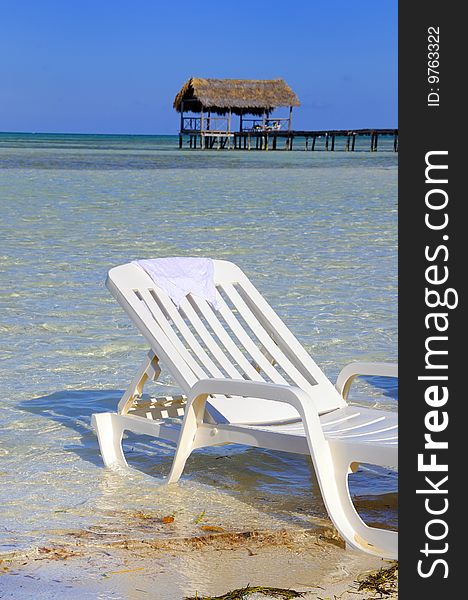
[(312, 563)]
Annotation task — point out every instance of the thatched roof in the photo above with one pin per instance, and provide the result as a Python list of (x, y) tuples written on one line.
[(248, 96)]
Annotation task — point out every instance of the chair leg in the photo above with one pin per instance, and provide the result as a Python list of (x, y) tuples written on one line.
[(357, 534), (109, 433), (149, 369), (185, 445), (178, 465)]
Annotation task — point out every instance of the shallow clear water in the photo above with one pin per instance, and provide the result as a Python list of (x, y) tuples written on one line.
[(316, 232)]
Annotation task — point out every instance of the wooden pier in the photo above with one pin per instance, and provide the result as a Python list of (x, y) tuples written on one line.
[(209, 109), (319, 140)]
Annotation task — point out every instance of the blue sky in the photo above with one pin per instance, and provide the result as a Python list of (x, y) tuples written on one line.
[(114, 66)]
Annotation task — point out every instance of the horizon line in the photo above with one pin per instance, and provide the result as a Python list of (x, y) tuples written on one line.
[(150, 134), (76, 133)]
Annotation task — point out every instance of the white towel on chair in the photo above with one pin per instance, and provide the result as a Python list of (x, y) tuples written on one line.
[(179, 276)]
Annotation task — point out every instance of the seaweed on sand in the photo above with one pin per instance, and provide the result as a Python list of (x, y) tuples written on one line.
[(243, 593), (383, 582)]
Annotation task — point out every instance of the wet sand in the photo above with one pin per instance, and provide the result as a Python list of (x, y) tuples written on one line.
[(209, 565)]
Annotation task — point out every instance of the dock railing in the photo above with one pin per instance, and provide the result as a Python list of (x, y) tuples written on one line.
[(205, 123), (191, 123)]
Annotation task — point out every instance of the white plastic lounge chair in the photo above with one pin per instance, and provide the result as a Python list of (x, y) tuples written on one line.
[(247, 380)]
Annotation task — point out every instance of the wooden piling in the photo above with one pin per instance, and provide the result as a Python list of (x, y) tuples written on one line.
[(181, 119), (271, 139)]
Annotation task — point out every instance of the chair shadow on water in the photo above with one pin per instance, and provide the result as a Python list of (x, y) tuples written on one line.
[(270, 481), (73, 409)]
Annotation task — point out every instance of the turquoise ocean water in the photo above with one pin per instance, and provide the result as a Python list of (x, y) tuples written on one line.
[(317, 234)]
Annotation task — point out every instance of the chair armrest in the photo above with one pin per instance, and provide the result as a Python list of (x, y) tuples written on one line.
[(302, 401), (351, 371), (256, 389)]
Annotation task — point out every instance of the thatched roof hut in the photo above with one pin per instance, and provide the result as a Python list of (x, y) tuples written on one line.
[(238, 96)]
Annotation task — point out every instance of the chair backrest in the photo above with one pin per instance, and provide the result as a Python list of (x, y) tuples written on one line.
[(245, 339)]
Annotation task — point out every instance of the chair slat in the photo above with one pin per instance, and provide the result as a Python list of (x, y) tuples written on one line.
[(245, 339), (223, 336), (154, 334), (265, 339), (282, 335), (216, 350), (188, 336), (163, 323), (357, 427)]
